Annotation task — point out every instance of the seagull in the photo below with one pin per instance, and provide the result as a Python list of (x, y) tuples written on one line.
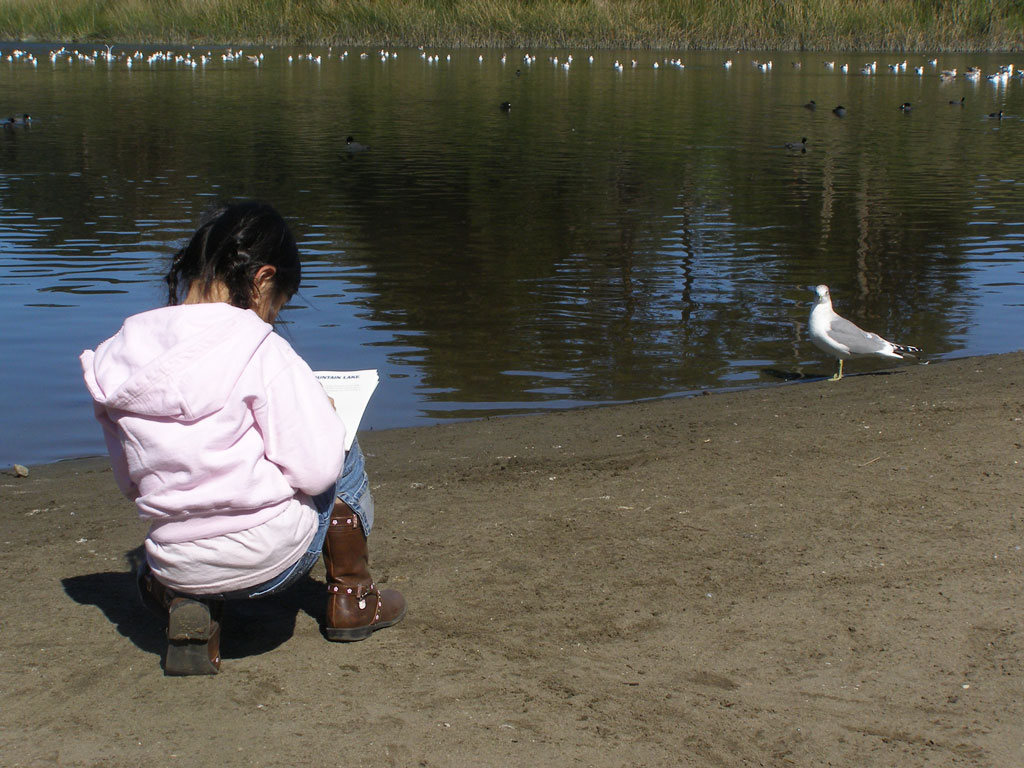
[(843, 340)]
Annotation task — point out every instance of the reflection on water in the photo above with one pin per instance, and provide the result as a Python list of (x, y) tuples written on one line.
[(613, 235)]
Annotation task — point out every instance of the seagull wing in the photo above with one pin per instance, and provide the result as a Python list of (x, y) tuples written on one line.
[(858, 341)]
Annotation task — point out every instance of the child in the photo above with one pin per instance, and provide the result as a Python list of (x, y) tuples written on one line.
[(229, 446)]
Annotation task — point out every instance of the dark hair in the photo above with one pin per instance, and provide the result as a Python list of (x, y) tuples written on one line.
[(230, 246)]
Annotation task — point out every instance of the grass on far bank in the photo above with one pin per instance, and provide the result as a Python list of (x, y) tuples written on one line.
[(935, 25)]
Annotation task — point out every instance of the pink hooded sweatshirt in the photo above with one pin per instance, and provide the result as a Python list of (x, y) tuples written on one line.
[(213, 423)]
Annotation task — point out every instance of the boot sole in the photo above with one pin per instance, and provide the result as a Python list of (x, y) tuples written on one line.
[(190, 631), (189, 620), (355, 634)]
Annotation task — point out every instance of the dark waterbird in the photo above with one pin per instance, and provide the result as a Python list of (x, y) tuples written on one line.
[(353, 146), (839, 111), (505, 106), (797, 146)]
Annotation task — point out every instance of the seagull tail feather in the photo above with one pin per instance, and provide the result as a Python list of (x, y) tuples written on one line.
[(907, 351)]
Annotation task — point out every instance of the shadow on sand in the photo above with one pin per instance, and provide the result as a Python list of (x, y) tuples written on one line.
[(250, 627), (776, 373)]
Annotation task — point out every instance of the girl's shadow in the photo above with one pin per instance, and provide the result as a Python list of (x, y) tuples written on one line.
[(250, 627)]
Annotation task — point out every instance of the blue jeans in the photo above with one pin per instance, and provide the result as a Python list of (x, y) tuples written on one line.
[(353, 488)]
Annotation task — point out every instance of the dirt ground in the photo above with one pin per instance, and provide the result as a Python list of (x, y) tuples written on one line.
[(819, 574)]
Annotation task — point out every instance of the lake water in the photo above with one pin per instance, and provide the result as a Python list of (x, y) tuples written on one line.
[(616, 234)]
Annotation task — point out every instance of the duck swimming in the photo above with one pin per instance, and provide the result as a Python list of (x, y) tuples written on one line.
[(351, 145), (797, 146), (839, 111)]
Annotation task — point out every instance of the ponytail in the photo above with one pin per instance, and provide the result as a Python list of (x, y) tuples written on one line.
[(230, 246)]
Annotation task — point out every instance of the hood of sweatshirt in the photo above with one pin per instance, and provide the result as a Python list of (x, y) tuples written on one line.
[(178, 362)]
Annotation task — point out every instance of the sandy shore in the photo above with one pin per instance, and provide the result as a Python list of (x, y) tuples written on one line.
[(819, 574)]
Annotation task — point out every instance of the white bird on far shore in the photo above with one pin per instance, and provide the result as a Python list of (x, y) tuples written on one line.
[(843, 340)]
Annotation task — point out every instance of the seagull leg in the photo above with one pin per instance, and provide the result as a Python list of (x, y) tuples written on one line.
[(839, 370)]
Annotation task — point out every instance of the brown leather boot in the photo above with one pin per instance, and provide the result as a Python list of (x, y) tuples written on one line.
[(193, 637), (355, 607), (193, 626)]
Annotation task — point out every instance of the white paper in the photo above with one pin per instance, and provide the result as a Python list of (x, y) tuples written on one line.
[(351, 391)]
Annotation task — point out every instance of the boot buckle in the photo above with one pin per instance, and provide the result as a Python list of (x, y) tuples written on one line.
[(359, 591)]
